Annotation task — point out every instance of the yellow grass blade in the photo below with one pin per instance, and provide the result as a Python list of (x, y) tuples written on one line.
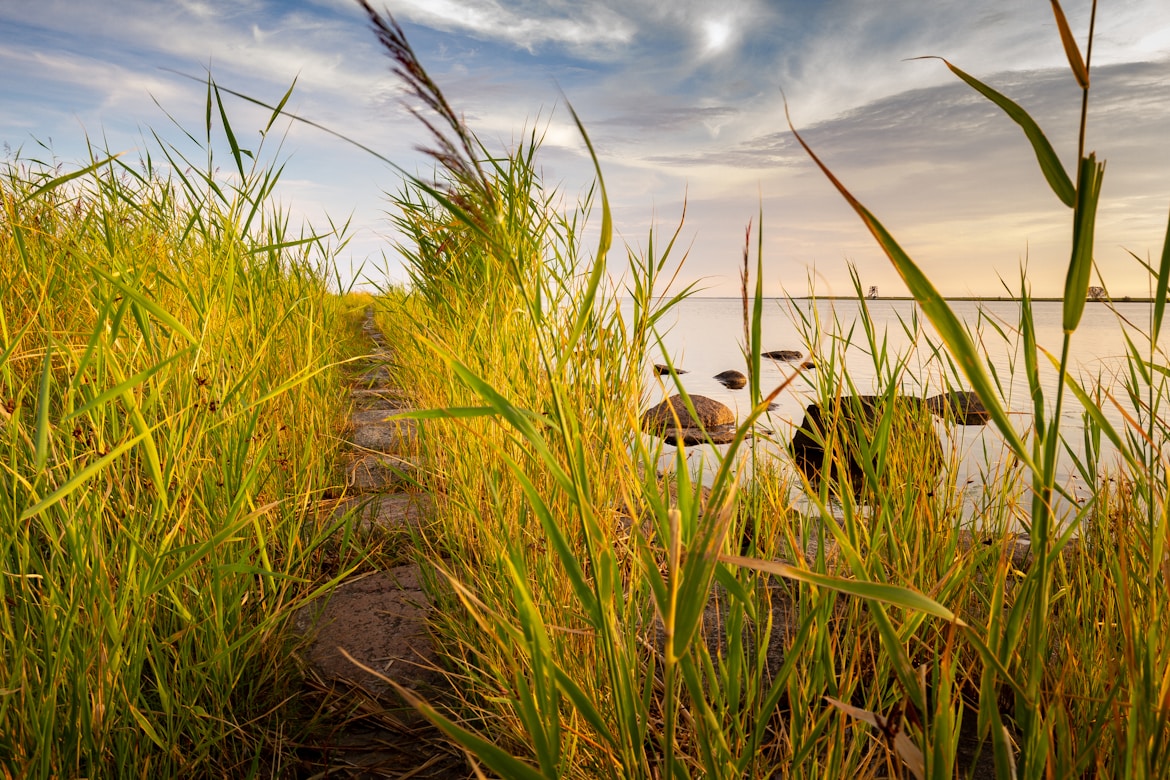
[(1071, 50)]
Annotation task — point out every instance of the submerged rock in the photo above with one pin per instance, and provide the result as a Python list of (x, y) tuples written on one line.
[(662, 369), (732, 380), (722, 434), (786, 355)]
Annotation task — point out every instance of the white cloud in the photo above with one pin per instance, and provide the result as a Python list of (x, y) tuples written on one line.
[(589, 29), (717, 34)]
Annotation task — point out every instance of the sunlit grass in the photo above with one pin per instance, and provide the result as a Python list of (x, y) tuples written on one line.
[(171, 408), (606, 621), (170, 417)]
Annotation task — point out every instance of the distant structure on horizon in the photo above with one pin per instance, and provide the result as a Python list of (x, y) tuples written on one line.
[(1096, 293), (873, 293)]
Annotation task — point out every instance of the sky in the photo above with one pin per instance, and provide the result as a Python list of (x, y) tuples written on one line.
[(684, 102)]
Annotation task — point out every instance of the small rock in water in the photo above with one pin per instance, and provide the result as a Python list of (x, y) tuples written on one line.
[(732, 380), (787, 355), (662, 369), (808, 364)]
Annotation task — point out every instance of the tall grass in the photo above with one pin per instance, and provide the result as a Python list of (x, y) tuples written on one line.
[(169, 418), (606, 620)]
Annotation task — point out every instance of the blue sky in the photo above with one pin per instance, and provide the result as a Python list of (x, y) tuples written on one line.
[(681, 98)]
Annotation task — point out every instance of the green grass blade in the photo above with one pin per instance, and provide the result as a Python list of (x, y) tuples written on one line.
[(59, 180), (1162, 287), (159, 312), (120, 388), (1080, 267), (755, 345), (448, 413), (605, 239), (518, 418), (495, 757), (279, 109), (153, 461), (15, 341), (1098, 416), (41, 436), (276, 112), (584, 706), (896, 595), (80, 478), (557, 539), (1058, 178)]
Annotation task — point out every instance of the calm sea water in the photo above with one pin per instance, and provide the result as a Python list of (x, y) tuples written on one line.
[(705, 336)]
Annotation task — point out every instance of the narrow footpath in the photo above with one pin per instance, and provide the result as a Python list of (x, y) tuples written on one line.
[(380, 618)]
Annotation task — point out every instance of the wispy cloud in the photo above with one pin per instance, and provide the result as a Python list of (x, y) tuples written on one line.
[(590, 30)]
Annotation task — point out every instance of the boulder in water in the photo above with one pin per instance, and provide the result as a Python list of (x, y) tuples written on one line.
[(845, 425), (672, 414)]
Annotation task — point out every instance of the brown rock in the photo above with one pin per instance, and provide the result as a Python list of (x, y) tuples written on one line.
[(384, 398), (666, 415), (371, 473), (389, 511)]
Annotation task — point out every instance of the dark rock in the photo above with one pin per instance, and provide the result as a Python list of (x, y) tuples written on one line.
[(732, 380), (661, 369), (673, 410), (962, 407), (808, 364), (786, 355), (844, 427)]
